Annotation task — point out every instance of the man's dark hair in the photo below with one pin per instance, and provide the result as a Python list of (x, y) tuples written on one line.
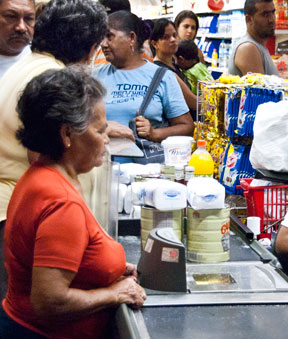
[(128, 22), (54, 98), (68, 29), (184, 15), (187, 49), (250, 6), (112, 6)]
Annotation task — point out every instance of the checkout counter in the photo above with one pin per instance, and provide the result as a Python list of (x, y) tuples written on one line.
[(246, 296)]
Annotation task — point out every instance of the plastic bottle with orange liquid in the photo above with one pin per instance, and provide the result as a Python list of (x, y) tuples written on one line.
[(214, 61), (202, 161)]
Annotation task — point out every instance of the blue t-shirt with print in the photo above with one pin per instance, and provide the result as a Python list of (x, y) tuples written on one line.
[(126, 90)]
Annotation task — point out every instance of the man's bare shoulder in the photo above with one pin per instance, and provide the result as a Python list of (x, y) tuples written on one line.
[(248, 49), (248, 58)]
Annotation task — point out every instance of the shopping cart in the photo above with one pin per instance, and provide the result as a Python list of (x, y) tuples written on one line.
[(270, 203)]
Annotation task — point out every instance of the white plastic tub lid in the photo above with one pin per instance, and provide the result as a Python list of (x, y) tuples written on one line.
[(177, 140)]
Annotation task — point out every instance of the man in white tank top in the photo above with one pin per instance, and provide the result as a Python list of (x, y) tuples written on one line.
[(250, 54)]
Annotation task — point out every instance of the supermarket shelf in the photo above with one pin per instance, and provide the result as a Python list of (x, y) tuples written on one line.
[(214, 35), (218, 69), (207, 59), (209, 11), (229, 36)]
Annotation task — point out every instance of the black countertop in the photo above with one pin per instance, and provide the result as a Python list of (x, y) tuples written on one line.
[(213, 322), (207, 321)]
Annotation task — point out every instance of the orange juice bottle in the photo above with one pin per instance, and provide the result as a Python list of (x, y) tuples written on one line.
[(214, 61), (202, 161)]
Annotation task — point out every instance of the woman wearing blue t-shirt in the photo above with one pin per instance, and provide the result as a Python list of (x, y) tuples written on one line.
[(128, 77)]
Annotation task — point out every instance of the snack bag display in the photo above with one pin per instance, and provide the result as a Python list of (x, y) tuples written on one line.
[(251, 98), (232, 167), (226, 120), (232, 107)]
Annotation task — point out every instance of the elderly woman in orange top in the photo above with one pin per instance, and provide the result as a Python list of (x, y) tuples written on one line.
[(65, 273)]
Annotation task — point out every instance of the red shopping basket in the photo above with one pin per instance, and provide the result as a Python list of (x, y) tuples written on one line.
[(270, 203)]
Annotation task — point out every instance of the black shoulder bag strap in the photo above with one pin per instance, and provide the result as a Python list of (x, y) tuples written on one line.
[(158, 76)]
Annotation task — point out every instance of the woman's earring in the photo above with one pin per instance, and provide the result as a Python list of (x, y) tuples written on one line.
[(132, 48), (68, 145)]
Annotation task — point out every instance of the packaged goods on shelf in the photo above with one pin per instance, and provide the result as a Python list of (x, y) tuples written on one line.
[(207, 47), (224, 23), (212, 128), (236, 166), (238, 24), (214, 62), (227, 114), (241, 106), (232, 106), (216, 143), (281, 14), (226, 101), (251, 98), (222, 54), (208, 24)]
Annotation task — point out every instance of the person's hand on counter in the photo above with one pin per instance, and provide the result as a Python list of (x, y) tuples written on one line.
[(128, 291)]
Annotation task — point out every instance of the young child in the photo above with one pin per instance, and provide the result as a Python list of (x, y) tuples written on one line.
[(187, 59)]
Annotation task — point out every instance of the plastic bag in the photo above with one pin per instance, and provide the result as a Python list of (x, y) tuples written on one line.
[(270, 144)]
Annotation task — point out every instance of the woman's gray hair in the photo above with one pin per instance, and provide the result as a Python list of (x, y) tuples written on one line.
[(54, 98)]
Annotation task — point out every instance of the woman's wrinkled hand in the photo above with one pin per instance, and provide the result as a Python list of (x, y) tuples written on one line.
[(128, 291), (144, 128), (116, 130)]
